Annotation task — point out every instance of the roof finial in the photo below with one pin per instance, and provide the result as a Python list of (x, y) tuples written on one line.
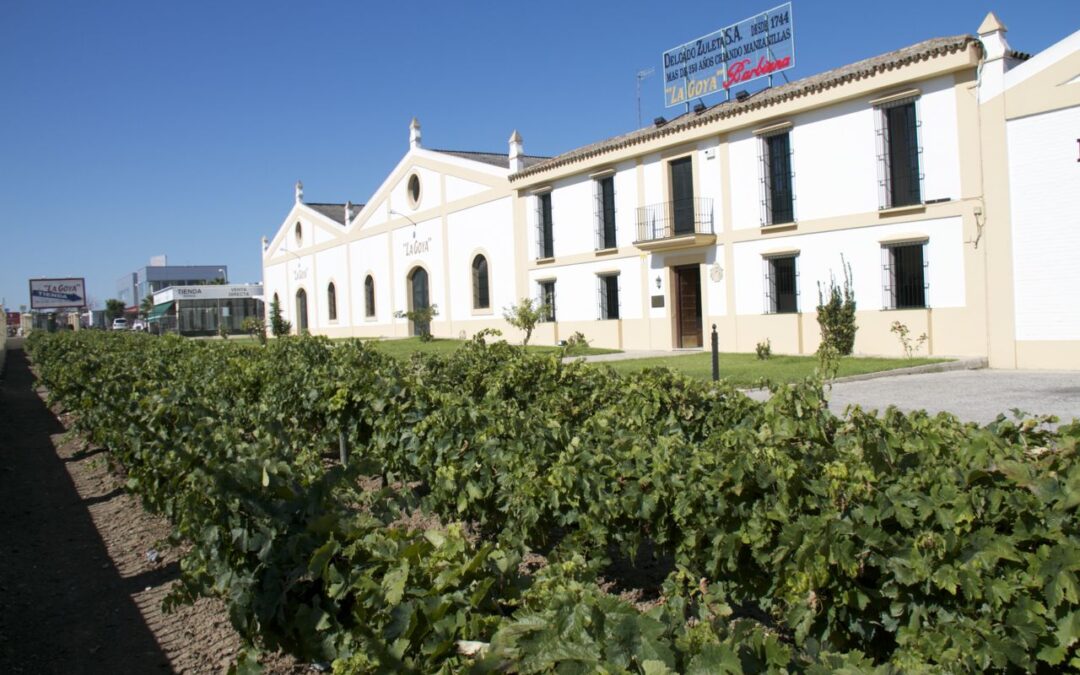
[(992, 33), (299, 192), (348, 212), (414, 134), (517, 152)]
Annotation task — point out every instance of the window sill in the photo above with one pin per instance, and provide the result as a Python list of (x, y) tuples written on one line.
[(606, 251), (545, 261), (902, 210), (483, 311), (779, 227), (371, 319), (905, 309), (796, 313)]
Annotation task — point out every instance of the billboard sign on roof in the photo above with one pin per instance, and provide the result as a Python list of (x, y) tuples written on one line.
[(756, 47), (57, 293)]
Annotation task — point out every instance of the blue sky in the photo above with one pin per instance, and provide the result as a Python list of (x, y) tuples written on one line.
[(129, 129)]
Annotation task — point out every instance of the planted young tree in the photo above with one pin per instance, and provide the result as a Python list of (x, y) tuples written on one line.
[(836, 315), (421, 318), (278, 325), (525, 315)]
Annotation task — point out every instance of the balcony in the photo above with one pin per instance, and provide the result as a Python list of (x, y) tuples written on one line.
[(683, 223)]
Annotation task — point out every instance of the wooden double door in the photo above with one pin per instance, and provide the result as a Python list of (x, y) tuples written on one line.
[(688, 327)]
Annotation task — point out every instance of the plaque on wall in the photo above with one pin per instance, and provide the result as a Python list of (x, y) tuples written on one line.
[(657, 301)]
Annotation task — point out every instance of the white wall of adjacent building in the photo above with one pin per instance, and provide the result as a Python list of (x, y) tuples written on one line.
[(1045, 224)]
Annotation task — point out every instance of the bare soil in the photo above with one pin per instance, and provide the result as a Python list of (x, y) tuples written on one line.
[(78, 592)]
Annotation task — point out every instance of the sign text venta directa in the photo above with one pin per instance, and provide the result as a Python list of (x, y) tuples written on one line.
[(752, 48)]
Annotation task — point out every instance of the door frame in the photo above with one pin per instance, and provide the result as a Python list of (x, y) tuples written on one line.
[(676, 272), (409, 294)]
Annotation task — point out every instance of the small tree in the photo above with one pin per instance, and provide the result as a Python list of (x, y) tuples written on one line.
[(421, 318), (255, 327), (836, 314), (146, 306), (525, 315), (113, 309), (278, 325)]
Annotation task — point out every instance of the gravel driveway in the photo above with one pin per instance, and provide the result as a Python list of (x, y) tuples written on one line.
[(974, 395)]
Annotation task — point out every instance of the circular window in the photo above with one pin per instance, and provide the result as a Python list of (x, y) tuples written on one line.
[(299, 233), (414, 190)]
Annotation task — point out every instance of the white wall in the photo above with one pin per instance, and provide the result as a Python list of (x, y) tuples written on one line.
[(576, 288), (330, 266), (432, 259), (834, 158), (370, 256), (430, 192), (488, 229), (820, 255), (1044, 178)]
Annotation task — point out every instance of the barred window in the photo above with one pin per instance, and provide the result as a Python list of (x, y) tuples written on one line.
[(369, 296), (781, 284), (777, 179), (608, 291), (547, 297), (331, 301), (605, 213), (544, 227), (899, 176), (904, 279), (481, 296)]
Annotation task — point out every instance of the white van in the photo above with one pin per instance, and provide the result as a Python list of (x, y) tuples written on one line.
[(119, 324)]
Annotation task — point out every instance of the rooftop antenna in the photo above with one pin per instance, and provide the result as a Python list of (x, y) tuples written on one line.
[(641, 75)]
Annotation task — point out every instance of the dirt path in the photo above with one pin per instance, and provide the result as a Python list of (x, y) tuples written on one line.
[(77, 592)]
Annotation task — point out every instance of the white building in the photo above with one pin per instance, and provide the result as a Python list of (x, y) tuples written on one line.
[(940, 173)]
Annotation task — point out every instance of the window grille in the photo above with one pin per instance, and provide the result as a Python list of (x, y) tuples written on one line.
[(547, 297), (781, 284), (776, 178), (545, 245), (608, 292), (331, 301), (897, 125), (904, 276), (605, 213)]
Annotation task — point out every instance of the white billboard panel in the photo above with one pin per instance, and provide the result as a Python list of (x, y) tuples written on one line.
[(57, 293)]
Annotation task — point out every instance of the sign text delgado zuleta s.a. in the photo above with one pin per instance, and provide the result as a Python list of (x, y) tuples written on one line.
[(755, 47)]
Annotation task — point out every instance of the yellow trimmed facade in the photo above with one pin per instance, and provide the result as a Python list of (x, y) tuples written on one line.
[(904, 168)]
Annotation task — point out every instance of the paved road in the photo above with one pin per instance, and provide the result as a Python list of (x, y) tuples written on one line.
[(974, 395)]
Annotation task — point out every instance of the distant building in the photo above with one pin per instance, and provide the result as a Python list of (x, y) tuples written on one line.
[(202, 309), (132, 288)]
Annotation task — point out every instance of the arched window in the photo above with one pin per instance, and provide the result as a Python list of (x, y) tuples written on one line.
[(369, 296), (331, 301), (481, 297), (301, 311), (419, 298), (299, 232)]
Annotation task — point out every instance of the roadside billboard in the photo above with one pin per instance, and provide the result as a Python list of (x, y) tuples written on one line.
[(756, 47), (57, 293)]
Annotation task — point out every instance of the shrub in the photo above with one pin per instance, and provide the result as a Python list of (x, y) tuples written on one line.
[(421, 318), (910, 347), (278, 325), (576, 343), (525, 315), (255, 327), (764, 349), (836, 314)]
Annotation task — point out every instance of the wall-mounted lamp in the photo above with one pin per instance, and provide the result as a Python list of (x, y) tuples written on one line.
[(658, 282)]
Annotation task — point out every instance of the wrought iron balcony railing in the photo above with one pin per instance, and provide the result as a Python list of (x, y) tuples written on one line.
[(675, 219)]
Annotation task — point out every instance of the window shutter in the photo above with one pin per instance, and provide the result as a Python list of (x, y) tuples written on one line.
[(888, 281), (539, 226), (598, 195), (881, 131), (764, 181), (601, 297), (770, 287)]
